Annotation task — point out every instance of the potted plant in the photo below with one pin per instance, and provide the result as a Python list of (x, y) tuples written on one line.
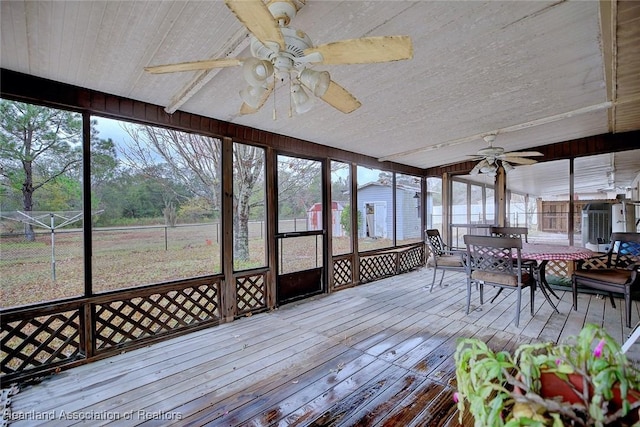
[(526, 387)]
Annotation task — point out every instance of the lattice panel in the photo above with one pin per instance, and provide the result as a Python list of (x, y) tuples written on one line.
[(119, 322), (39, 341), (251, 293), (411, 259), (557, 268), (342, 273), (377, 266)]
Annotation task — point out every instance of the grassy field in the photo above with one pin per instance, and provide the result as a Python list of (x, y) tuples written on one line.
[(126, 257), (121, 258)]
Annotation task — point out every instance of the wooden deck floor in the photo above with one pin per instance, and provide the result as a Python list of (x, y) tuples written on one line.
[(376, 355)]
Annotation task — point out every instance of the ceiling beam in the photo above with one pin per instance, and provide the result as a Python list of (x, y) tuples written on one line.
[(237, 43), (521, 126)]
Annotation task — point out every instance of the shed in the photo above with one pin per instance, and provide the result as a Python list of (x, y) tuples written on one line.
[(314, 218)]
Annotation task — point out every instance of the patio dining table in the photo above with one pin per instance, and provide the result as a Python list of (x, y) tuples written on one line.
[(543, 253)]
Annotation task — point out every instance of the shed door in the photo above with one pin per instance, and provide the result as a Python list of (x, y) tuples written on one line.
[(376, 221)]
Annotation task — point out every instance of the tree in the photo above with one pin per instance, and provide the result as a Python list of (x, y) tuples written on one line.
[(37, 145), (248, 172), (195, 161), (104, 162), (345, 219), (299, 186), (185, 165)]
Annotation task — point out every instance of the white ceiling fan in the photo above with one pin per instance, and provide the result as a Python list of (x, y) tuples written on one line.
[(281, 52), (612, 186), (491, 157)]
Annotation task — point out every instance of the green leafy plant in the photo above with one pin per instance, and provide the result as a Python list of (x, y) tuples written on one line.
[(504, 389)]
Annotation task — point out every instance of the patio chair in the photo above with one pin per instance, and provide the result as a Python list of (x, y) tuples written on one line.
[(617, 271), (516, 232), (510, 232), (497, 261), (441, 257)]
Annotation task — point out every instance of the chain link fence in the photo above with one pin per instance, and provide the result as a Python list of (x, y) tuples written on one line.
[(52, 265)]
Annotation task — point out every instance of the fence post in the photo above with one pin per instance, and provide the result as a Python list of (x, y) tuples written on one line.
[(53, 249), (166, 238)]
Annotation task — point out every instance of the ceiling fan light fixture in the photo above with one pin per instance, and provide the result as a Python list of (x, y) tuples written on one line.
[(301, 100), (257, 71), (508, 167), (252, 95), (490, 170), (316, 81)]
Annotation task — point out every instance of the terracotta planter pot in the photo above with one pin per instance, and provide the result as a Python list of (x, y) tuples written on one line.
[(552, 386)]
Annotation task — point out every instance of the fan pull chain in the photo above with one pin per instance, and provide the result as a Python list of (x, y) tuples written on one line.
[(275, 117), (290, 97)]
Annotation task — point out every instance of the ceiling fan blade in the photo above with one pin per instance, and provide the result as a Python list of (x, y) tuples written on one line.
[(340, 98), (519, 160), (255, 15), (206, 64), (365, 50), (247, 109), (523, 154)]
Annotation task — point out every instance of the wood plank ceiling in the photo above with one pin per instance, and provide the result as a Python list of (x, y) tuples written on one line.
[(538, 72)]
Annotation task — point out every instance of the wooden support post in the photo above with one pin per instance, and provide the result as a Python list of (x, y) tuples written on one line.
[(327, 222), (572, 206), (355, 259), (272, 202), (228, 292), (447, 209), (501, 196), (87, 311)]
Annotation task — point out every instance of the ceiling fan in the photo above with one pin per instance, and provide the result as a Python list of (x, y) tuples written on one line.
[(612, 186), (491, 157), (281, 52)]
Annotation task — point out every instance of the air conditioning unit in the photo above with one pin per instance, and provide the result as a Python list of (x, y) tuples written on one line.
[(596, 224)]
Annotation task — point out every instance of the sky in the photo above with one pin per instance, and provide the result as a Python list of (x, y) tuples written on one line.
[(111, 129)]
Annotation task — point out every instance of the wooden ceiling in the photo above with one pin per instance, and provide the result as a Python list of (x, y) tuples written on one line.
[(536, 72)]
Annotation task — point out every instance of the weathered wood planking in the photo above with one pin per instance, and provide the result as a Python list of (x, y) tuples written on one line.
[(378, 354)]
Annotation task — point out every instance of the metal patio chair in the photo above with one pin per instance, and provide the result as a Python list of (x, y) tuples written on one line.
[(497, 261), (441, 257), (617, 271), (522, 232)]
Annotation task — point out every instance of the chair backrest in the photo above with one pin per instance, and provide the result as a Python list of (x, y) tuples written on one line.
[(494, 254), (434, 240), (624, 250), (510, 232)]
